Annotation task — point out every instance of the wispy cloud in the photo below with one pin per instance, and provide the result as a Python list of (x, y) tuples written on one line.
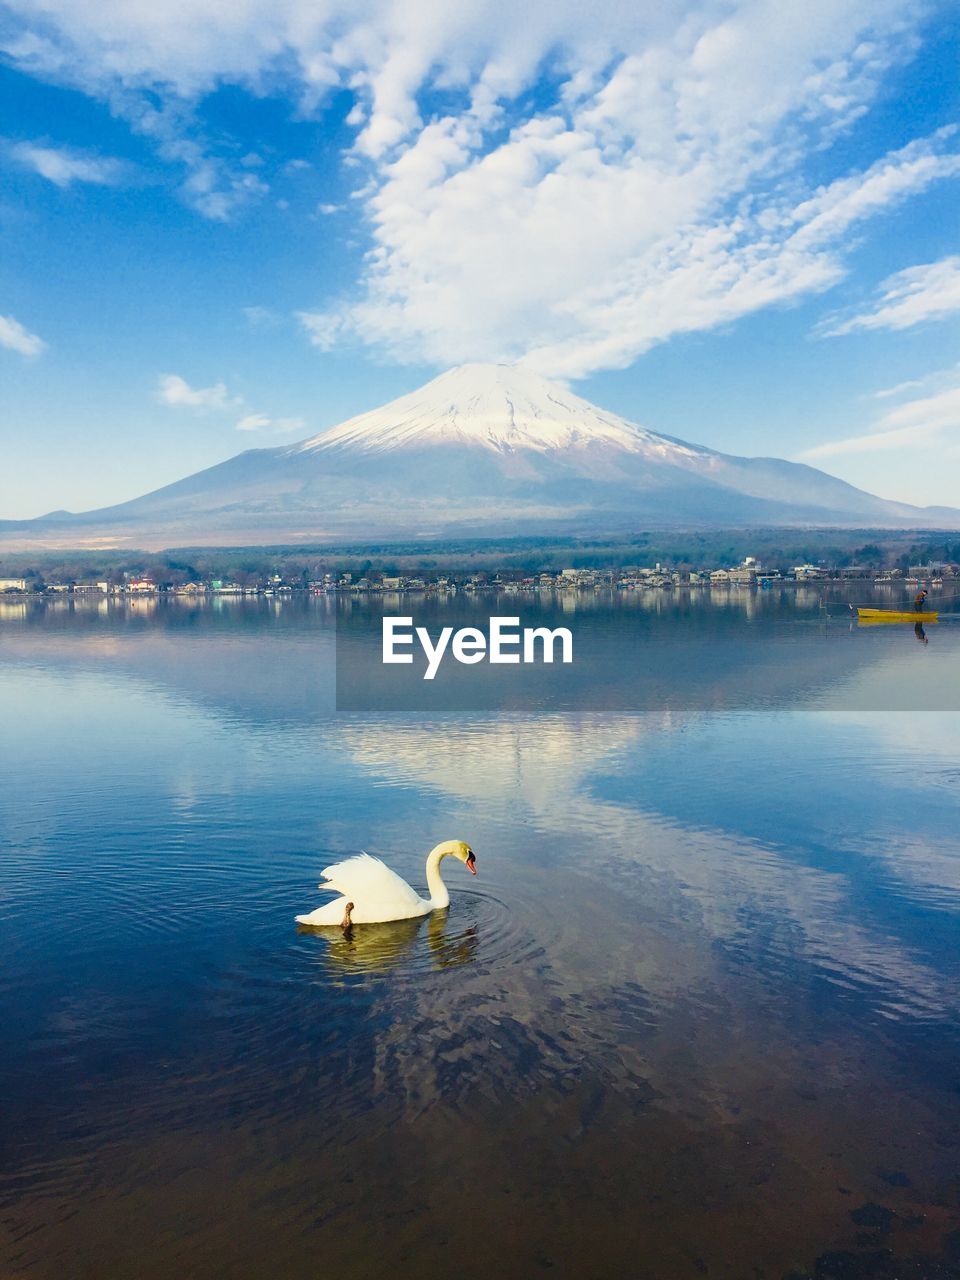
[(665, 196), (323, 328), (177, 392), (935, 380), (15, 337), (657, 188), (930, 291), (923, 423), (261, 317), (211, 179), (211, 187), (63, 165), (546, 251), (891, 393), (279, 426)]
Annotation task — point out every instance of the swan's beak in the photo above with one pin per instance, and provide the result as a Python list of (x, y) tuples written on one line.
[(472, 865)]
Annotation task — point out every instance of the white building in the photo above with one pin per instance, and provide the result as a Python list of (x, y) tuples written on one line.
[(803, 572)]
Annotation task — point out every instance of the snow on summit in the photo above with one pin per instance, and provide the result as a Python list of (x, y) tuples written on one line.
[(500, 407), (483, 450)]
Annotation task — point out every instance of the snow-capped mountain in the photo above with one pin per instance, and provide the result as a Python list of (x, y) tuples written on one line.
[(503, 408), (482, 450)]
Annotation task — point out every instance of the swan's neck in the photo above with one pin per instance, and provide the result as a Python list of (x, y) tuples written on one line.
[(439, 897)]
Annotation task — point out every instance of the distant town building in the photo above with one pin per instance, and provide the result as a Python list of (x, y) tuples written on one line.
[(932, 570)]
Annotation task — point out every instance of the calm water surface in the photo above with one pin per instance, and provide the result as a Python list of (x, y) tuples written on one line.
[(697, 1016)]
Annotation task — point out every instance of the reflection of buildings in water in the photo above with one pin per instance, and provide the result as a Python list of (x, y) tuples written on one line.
[(806, 598), (13, 611), (143, 606), (89, 604)]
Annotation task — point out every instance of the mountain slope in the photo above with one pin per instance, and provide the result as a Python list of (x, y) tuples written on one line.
[(481, 450), (501, 408)]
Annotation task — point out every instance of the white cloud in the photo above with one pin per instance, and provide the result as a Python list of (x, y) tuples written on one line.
[(935, 380), (930, 291), (16, 338), (260, 422), (211, 187), (653, 200), (660, 189), (547, 251), (177, 392), (213, 180), (890, 393), (323, 328), (63, 166), (926, 423), (261, 317)]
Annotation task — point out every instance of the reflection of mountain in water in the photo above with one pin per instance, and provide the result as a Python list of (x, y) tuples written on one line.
[(636, 652), (267, 666), (654, 1014)]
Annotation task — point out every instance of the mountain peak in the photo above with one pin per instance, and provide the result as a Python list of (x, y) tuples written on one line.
[(500, 407), (481, 450)]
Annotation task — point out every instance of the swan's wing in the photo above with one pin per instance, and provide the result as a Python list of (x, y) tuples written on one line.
[(365, 879)]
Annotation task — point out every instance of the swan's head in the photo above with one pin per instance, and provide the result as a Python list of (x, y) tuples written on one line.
[(459, 849)]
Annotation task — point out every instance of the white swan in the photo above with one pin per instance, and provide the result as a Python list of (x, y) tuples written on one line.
[(373, 894)]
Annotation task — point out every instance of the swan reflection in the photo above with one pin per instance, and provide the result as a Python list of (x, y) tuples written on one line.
[(377, 948)]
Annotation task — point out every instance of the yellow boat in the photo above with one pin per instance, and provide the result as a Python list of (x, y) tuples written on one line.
[(895, 615)]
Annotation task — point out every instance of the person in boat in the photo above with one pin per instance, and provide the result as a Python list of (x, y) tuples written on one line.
[(919, 599)]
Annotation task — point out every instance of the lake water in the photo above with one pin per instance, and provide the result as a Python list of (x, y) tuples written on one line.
[(699, 1015)]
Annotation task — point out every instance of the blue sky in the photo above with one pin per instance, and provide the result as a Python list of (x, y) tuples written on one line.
[(230, 228)]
